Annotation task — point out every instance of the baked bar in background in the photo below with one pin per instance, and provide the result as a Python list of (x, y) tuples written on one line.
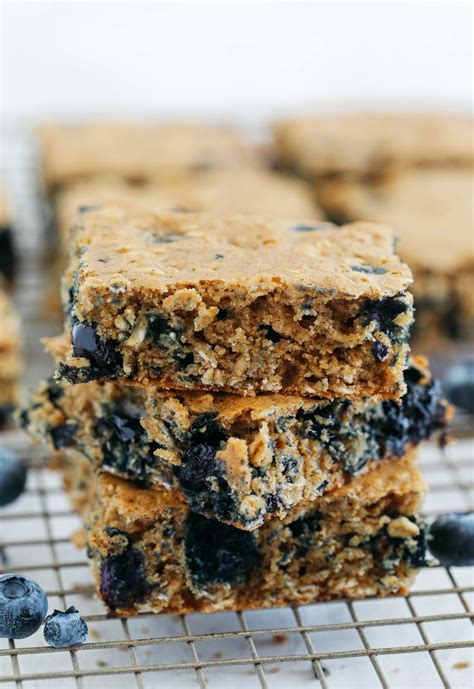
[(368, 145), (235, 190), (432, 213)]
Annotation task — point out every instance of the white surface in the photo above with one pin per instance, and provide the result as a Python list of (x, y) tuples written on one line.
[(246, 60)]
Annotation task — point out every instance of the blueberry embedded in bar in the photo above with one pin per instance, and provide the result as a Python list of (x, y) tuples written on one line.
[(239, 304)]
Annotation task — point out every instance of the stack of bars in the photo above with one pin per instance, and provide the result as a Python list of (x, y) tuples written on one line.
[(236, 409)]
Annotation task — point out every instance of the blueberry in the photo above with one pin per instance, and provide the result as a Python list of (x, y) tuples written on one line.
[(122, 578), (459, 385), (452, 539), (12, 476), (101, 354), (217, 553), (384, 312), (199, 463), (23, 606), (65, 629), (62, 435)]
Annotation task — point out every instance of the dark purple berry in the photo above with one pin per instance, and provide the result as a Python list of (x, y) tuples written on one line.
[(65, 629), (452, 539)]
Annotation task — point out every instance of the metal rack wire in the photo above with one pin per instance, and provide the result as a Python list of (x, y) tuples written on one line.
[(423, 639)]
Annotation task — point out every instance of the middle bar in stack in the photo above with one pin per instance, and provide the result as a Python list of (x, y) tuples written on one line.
[(246, 370)]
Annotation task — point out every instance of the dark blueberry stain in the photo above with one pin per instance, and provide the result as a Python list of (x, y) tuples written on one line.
[(370, 270), (165, 238), (183, 362), (384, 312), (380, 351), (218, 257), (389, 551), (54, 391), (305, 526), (205, 429), (217, 553), (271, 334), (122, 579), (382, 430), (124, 443), (88, 209), (62, 436), (310, 228)]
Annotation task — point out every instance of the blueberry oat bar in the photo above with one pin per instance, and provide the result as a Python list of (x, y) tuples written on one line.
[(10, 360), (240, 460), (136, 152), (150, 553), (368, 145), (431, 211), (240, 304)]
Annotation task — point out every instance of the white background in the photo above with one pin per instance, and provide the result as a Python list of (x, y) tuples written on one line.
[(247, 61)]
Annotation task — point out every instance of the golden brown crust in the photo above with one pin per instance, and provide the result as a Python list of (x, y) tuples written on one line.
[(136, 152)]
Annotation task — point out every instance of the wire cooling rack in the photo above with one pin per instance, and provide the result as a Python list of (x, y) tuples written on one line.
[(423, 640)]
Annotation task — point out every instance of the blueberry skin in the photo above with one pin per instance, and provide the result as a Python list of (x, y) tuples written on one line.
[(23, 606), (12, 476), (452, 539), (65, 629)]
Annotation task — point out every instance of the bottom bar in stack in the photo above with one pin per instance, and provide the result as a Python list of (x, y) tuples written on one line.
[(150, 553)]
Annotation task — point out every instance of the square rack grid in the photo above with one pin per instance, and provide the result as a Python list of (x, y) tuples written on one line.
[(423, 640)]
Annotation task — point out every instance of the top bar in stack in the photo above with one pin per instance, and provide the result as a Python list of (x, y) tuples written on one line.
[(240, 304)]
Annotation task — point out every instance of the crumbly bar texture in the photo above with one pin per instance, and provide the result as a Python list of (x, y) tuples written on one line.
[(10, 360), (136, 152), (150, 553), (7, 252), (431, 212), (371, 144), (240, 460), (239, 303)]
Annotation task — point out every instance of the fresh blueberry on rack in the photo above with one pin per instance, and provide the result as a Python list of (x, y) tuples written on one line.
[(23, 606), (65, 629), (12, 476), (452, 539)]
